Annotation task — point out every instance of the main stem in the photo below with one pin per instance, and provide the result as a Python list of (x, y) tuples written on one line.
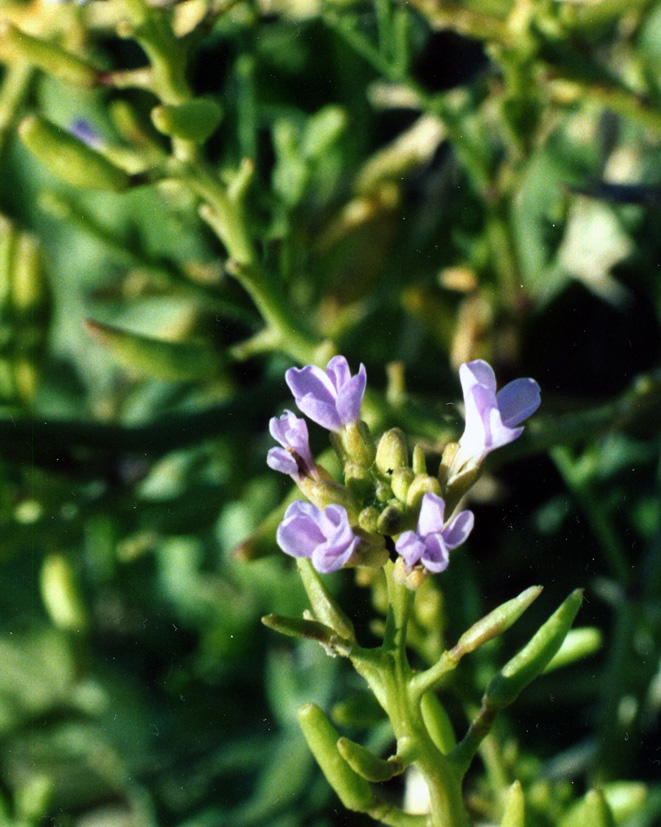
[(403, 708)]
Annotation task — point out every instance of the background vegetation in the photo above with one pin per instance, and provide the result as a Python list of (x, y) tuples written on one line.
[(412, 185)]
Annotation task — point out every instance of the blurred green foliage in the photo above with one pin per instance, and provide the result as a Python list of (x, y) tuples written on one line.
[(410, 184)]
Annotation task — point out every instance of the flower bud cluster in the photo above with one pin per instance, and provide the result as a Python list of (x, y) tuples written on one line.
[(386, 492)]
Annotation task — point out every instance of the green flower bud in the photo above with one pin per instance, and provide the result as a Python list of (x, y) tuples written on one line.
[(322, 492), (359, 481), (368, 519), (354, 791), (437, 722), (534, 657), (420, 486), (495, 623), (383, 492), (400, 482), (354, 443), (69, 158), (419, 463), (49, 57), (514, 814), (196, 120), (366, 764), (392, 451), (391, 520), (172, 361), (61, 595)]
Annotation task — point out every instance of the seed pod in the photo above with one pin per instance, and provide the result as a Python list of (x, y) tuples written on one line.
[(309, 629), (579, 643), (60, 593), (495, 623), (533, 658), (49, 57), (437, 722), (514, 814), (593, 810), (366, 764), (326, 609), (354, 791), (173, 361), (196, 120), (69, 158)]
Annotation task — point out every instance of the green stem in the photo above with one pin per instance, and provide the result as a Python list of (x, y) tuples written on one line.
[(403, 708)]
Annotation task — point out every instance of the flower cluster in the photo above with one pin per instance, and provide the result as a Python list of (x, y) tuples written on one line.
[(383, 495)]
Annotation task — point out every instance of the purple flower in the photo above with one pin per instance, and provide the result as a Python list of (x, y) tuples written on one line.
[(294, 458), (325, 537), (492, 418), (432, 542), (332, 398)]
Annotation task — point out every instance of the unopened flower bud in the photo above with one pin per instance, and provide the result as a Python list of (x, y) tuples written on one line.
[(419, 462), (391, 520), (368, 519), (49, 57), (356, 443), (392, 451), (400, 482), (421, 485), (383, 492), (323, 492), (359, 481)]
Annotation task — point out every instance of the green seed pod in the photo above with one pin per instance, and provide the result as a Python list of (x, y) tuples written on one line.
[(49, 57), (593, 810), (60, 593), (579, 643), (495, 623), (309, 629), (326, 609), (514, 814), (69, 158), (533, 658), (437, 722), (392, 451), (366, 764), (400, 482), (196, 120), (354, 791), (172, 361), (420, 486)]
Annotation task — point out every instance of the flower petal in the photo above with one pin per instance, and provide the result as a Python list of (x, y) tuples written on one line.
[(411, 548), (518, 400), (350, 397), (299, 534), (435, 557), (320, 411), (458, 528), (338, 372), (281, 460), (431, 518), (310, 380), (477, 372)]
